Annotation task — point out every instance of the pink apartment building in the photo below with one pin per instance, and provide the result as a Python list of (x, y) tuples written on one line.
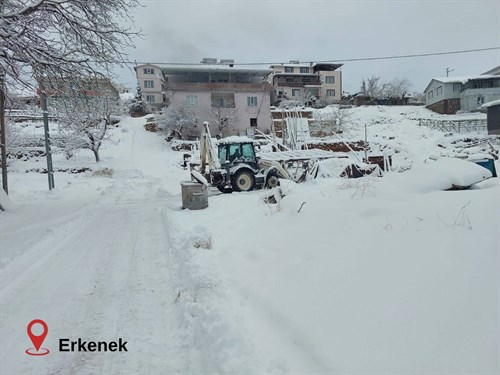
[(238, 95)]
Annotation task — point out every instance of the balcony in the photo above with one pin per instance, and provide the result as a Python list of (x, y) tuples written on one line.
[(217, 86), (298, 81)]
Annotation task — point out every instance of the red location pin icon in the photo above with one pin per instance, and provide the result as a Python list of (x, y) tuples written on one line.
[(37, 340)]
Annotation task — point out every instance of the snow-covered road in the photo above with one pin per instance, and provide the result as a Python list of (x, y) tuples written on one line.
[(98, 267)]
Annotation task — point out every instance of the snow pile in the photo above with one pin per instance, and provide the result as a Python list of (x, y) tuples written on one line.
[(442, 174), (345, 276), (5, 203)]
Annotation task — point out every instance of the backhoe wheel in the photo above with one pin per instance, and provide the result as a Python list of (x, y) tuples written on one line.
[(272, 181), (243, 181)]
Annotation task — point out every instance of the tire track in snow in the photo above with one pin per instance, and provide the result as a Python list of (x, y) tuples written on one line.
[(271, 323), (101, 257)]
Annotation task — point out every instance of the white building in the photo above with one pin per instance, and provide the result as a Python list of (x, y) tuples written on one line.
[(296, 81), (448, 95)]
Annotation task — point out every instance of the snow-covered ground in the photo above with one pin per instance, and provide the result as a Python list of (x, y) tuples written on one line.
[(368, 276)]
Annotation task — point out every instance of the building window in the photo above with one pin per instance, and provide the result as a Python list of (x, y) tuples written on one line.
[(290, 80), (149, 84), (288, 69), (304, 70), (457, 87), (330, 79), (192, 101), (295, 92), (439, 90), (253, 122), (252, 101), (150, 98), (330, 92), (222, 100), (149, 71), (430, 94), (480, 100)]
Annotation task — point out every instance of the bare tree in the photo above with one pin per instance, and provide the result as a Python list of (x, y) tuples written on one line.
[(419, 97), (223, 117), (334, 121), (174, 119), (59, 38), (373, 88), (397, 88), (85, 120), (343, 118)]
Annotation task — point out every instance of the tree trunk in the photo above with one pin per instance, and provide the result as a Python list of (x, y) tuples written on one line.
[(96, 154)]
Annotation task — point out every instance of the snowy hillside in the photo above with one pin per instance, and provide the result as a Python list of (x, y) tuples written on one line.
[(386, 275)]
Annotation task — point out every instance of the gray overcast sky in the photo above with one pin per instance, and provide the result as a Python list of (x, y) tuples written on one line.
[(279, 31)]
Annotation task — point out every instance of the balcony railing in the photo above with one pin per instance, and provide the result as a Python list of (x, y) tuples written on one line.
[(217, 86)]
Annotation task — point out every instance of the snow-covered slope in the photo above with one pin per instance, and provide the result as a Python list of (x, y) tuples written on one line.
[(384, 275)]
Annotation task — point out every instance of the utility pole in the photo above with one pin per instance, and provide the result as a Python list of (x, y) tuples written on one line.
[(448, 71), (48, 151), (3, 141)]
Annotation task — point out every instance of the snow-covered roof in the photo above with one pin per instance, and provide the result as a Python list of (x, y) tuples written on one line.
[(313, 154), (201, 68), (234, 139), (460, 79), (495, 71), (491, 104), (463, 79), (292, 109), (306, 65), (213, 67), (294, 65)]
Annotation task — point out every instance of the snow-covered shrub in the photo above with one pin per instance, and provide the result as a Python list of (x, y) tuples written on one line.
[(138, 106), (174, 119)]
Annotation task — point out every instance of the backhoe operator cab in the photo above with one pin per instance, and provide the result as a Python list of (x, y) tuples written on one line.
[(237, 153), (232, 165)]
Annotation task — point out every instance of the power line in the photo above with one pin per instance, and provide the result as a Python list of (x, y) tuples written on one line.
[(340, 60)]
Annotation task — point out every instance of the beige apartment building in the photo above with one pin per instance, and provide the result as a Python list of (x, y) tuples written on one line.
[(294, 81)]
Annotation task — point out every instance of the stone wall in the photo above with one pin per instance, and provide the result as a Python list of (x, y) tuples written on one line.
[(445, 107)]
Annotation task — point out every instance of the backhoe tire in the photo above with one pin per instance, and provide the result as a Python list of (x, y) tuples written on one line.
[(272, 181), (243, 180)]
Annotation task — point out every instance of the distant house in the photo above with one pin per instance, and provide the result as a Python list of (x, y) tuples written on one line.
[(21, 101), (211, 87), (58, 88), (448, 95), (360, 99), (301, 82)]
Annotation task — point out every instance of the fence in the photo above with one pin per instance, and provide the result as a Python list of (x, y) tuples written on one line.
[(455, 126), (19, 115)]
